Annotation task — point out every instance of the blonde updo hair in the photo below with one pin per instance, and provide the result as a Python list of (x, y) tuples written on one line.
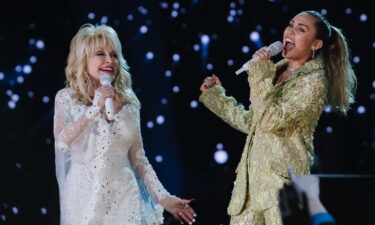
[(83, 45)]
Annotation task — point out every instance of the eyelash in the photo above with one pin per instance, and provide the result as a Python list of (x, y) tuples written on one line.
[(299, 28), (102, 53)]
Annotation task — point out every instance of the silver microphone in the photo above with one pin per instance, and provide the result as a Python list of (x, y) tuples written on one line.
[(106, 80), (274, 49)]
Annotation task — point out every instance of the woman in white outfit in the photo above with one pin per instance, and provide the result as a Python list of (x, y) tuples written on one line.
[(103, 174)]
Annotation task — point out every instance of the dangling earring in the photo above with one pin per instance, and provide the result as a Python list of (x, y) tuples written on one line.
[(313, 54)]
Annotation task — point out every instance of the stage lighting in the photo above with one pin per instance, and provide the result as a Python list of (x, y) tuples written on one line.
[(160, 119), (27, 69), (11, 104), (150, 124), (363, 17), (221, 156), (361, 109), (176, 89), (168, 73), (159, 158), (1, 75), (356, 59), (194, 104), (40, 44), (329, 129), (150, 55), (91, 16), (45, 99), (33, 59)]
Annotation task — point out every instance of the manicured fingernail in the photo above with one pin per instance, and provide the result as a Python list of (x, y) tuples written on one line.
[(193, 220), (195, 215), (190, 223)]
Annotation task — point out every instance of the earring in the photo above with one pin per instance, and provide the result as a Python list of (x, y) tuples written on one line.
[(313, 54)]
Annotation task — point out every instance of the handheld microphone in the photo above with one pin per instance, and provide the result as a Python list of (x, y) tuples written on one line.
[(274, 49), (106, 80)]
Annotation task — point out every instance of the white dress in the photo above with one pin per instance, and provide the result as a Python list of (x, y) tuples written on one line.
[(103, 174)]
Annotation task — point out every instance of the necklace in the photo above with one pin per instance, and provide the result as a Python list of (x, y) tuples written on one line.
[(291, 69)]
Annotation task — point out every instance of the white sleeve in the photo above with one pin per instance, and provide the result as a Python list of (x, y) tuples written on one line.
[(65, 129), (143, 168)]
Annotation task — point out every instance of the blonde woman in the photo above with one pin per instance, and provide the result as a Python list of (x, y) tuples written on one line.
[(103, 174), (287, 100)]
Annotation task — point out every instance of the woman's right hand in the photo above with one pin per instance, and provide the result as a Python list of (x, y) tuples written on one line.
[(209, 82), (104, 92)]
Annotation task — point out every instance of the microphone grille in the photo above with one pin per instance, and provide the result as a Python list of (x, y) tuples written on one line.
[(275, 48), (105, 79)]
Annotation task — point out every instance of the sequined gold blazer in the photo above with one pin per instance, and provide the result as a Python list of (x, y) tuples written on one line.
[(280, 124)]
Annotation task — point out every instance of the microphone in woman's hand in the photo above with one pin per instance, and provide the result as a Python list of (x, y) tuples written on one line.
[(106, 80), (274, 49)]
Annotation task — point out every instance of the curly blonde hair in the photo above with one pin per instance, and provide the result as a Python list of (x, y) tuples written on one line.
[(83, 45)]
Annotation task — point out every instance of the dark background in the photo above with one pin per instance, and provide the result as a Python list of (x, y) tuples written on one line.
[(189, 136)]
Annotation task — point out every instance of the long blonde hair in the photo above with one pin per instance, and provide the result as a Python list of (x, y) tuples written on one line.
[(83, 45), (336, 56)]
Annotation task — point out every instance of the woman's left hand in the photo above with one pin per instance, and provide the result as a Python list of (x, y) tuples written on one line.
[(179, 208)]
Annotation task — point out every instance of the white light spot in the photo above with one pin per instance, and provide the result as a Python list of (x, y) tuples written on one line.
[(159, 158), (361, 109), (230, 19), (254, 36), (1, 75), (15, 210), (143, 29), (40, 44), (45, 99), (160, 119), (221, 156), (363, 17), (142, 10), (205, 39), (372, 96), (176, 89), (240, 12), (30, 94), (150, 55), (245, 49), (209, 66), (232, 4), (373, 44), (43, 211), (32, 41), (348, 11), (11, 104), (196, 47), (168, 73), (176, 57), (194, 104), (150, 124), (15, 97), (174, 13), (232, 12), (18, 68), (3, 217), (27, 69), (33, 59), (329, 129), (327, 109), (164, 5), (9, 93), (176, 5), (91, 16), (219, 146), (230, 62), (373, 83), (356, 59), (323, 12), (130, 17), (164, 101), (104, 20)]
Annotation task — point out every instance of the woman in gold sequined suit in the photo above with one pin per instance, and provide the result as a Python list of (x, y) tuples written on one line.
[(286, 101)]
